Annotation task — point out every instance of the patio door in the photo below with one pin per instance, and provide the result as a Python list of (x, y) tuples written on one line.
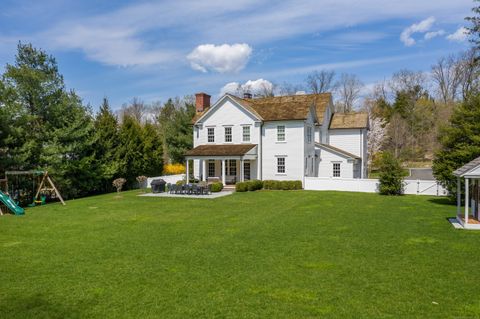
[(246, 170), (231, 171)]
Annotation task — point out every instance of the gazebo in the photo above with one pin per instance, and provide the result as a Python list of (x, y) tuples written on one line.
[(470, 219)]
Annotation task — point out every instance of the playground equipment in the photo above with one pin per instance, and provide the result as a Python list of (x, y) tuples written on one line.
[(10, 204), (28, 188)]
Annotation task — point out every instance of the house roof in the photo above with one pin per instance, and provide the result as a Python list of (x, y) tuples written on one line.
[(278, 108), (349, 120), (336, 150), (462, 171), (294, 107), (221, 150)]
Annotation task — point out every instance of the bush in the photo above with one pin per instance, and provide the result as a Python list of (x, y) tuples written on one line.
[(391, 175), (282, 185), (118, 184), (241, 187), (216, 187), (174, 169), (180, 182), (254, 185)]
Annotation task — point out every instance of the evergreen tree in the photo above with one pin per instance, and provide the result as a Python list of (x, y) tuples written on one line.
[(460, 142), (130, 152), (106, 143), (391, 175)]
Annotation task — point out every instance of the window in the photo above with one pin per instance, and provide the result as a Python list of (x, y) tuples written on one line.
[(211, 169), (246, 170), (280, 133), (309, 134), (246, 133), (281, 165), (228, 134), (336, 169), (232, 168), (211, 134)]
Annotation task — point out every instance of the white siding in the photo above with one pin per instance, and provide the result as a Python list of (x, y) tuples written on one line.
[(325, 164), (349, 140), (292, 149)]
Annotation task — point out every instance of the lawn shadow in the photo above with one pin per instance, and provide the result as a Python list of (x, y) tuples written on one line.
[(442, 201), (36, 306)]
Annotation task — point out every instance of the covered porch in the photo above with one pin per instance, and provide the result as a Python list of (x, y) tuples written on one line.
[(228, 164), (469, 218)]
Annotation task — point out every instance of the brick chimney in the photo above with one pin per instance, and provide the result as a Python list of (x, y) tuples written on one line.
[(202, 101)]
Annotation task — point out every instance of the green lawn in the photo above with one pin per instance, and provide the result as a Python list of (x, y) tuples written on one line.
[(265, 254)]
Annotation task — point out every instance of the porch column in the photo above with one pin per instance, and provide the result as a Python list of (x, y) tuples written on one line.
[(224, 165), (466, 200), (188, 171), (242, 177), (204, 170), (459, 196)]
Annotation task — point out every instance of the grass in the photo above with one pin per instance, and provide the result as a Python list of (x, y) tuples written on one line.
[(267, 254)]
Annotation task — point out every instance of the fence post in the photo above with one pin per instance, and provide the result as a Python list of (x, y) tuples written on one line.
[(418, 186)]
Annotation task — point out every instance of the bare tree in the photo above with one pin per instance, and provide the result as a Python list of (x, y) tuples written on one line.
[(470, 69), (408, 81), (349, 88), (320, 81), (136, 109), (447, 74), (290, 89)]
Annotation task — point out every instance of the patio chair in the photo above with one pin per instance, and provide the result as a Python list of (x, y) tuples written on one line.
[(195, 189), (172, 189), (169, 187)]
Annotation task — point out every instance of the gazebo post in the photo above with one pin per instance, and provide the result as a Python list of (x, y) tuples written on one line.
[(459, 196), (466, 200)]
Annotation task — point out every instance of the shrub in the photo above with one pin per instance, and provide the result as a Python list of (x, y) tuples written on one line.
[(282, 185), (118, 184), (142, 182), (180, 182), (216, 187), (241, 187), (174, 169), (254, 185), (391, 175)]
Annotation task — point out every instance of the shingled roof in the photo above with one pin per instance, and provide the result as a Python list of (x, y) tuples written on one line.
[(336, 150), (221, 150), (349, 120), (467, 167), (278, 108)]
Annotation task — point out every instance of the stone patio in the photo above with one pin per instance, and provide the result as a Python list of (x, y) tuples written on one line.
[(211, 196)]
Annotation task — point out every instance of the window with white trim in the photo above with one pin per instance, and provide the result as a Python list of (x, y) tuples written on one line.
[(211, 169), (228, 134), (281, 133), (246, 133), (232, 168), (281, 165), (309, 134), (336, 170), (211, 134)]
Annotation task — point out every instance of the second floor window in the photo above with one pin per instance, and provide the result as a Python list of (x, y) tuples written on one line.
[(211, 135), (246, 133), (281, 133), (228, 134)]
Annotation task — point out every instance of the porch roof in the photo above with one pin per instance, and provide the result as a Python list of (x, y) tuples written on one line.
[(221, 150), (469, 169)]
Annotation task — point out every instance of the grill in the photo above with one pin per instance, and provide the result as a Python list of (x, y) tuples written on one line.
[(158, 186)]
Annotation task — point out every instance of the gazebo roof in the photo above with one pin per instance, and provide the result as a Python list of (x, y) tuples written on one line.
[(469, 169)]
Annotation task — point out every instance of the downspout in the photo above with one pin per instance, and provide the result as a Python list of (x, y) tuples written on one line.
[(260, 153)]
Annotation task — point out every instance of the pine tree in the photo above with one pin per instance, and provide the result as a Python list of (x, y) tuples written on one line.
[(460, 142)]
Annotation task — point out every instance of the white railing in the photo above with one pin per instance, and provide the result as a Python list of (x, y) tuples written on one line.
[(167, 178), (413, 187)]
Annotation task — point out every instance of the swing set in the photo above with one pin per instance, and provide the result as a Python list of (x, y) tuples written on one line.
[(29, 188)]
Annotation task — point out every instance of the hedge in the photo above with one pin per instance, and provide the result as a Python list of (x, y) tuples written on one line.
[(254, 185)]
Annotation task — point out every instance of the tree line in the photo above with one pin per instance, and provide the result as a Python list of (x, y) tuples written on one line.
[(43, 125)]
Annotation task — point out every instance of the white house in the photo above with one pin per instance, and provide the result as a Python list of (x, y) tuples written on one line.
[(276, 138)]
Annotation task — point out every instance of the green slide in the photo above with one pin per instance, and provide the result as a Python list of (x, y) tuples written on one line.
[(17, 210)]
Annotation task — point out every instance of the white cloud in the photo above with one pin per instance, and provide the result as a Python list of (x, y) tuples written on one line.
[(433, 34), (459, 36), (421, 27), (258, 86), (223, 58)]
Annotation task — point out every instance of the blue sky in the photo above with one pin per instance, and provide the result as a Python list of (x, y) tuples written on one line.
[(160, 49)]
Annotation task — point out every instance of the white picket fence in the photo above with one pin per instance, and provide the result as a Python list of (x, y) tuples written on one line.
[(412, 187), (167, 178)]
